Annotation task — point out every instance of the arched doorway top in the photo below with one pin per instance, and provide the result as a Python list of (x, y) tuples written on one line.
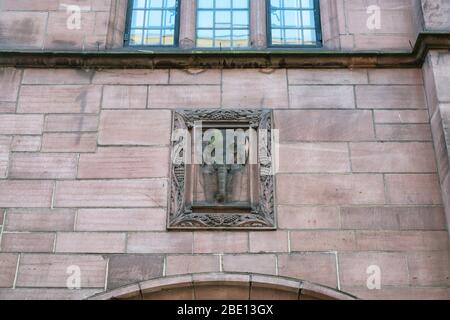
[(227, 286)]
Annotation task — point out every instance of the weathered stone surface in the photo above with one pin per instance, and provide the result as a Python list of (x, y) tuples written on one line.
[(195, 76), (26, 143), (25, 194), (254, 89), (184, 264), (56, 76), (390, 97), (220, 242), (59, 99), (392, 157), (21, 124), (325, 125), (318, 268), (322, 241), (413, 189), (330, 189), (43, 166), (393, 218), (126, 269), (268, 241), (403, 132), (5, 146), (71, 123), (69, 142), (131, 76), (402, 240), (327, 76), (124, 163), (8, 264), (124, 97), (51, 270), (25, 220), (111, 193), (290, 217), (150, 219), (401, 116), (314, 158), (321, 97), (9, 80), (22, 30), (90, 242), (27, 242), (132, 127), (47, 294), (175, 97), (396, 76), (436, 14), (262, 264), (353, 267), (159, 242), (429, 268)]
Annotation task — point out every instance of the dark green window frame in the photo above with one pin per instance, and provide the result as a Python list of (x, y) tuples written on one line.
[(316, 29), (233, 27), (162, 28)]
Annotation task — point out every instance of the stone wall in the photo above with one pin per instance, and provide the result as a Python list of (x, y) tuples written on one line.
[(30, 24), (84, 171)]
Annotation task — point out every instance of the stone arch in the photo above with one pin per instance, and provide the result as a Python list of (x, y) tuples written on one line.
[(226, 286)]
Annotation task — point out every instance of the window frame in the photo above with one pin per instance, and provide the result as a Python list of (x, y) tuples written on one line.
[(127, 33), (249, 46), (318, 28)]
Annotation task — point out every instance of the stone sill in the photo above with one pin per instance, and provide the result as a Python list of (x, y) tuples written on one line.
[(227, 59)]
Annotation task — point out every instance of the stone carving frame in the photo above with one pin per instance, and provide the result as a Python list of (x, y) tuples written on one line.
[(262, 215)]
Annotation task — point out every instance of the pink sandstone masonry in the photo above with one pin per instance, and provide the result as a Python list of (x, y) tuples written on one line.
[(363, 175), (84, 181)]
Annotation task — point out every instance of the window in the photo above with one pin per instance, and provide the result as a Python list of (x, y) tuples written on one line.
[(223, 23), (293, 23), (152, 23)]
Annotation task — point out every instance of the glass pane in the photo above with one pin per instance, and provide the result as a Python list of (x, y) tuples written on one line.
[(275, 4), (156, 4), (292, 36), (308, 4), (205, 38), (276, 18), (240, 38), (153, 22), (205, 4), (240, 4), (153, 19), (310, 37), (169, 19), (291, 18), (222, 23), (168, 36), (139, 4), (223, 19), (240, 19), (138, 19), (291, 4), (276, 36), (136, 37), (293, 22), (223, 38), (205, 19), (223, 4), (308, 19)]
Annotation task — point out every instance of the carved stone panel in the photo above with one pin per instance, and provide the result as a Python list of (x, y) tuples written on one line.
[(221, 170)]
